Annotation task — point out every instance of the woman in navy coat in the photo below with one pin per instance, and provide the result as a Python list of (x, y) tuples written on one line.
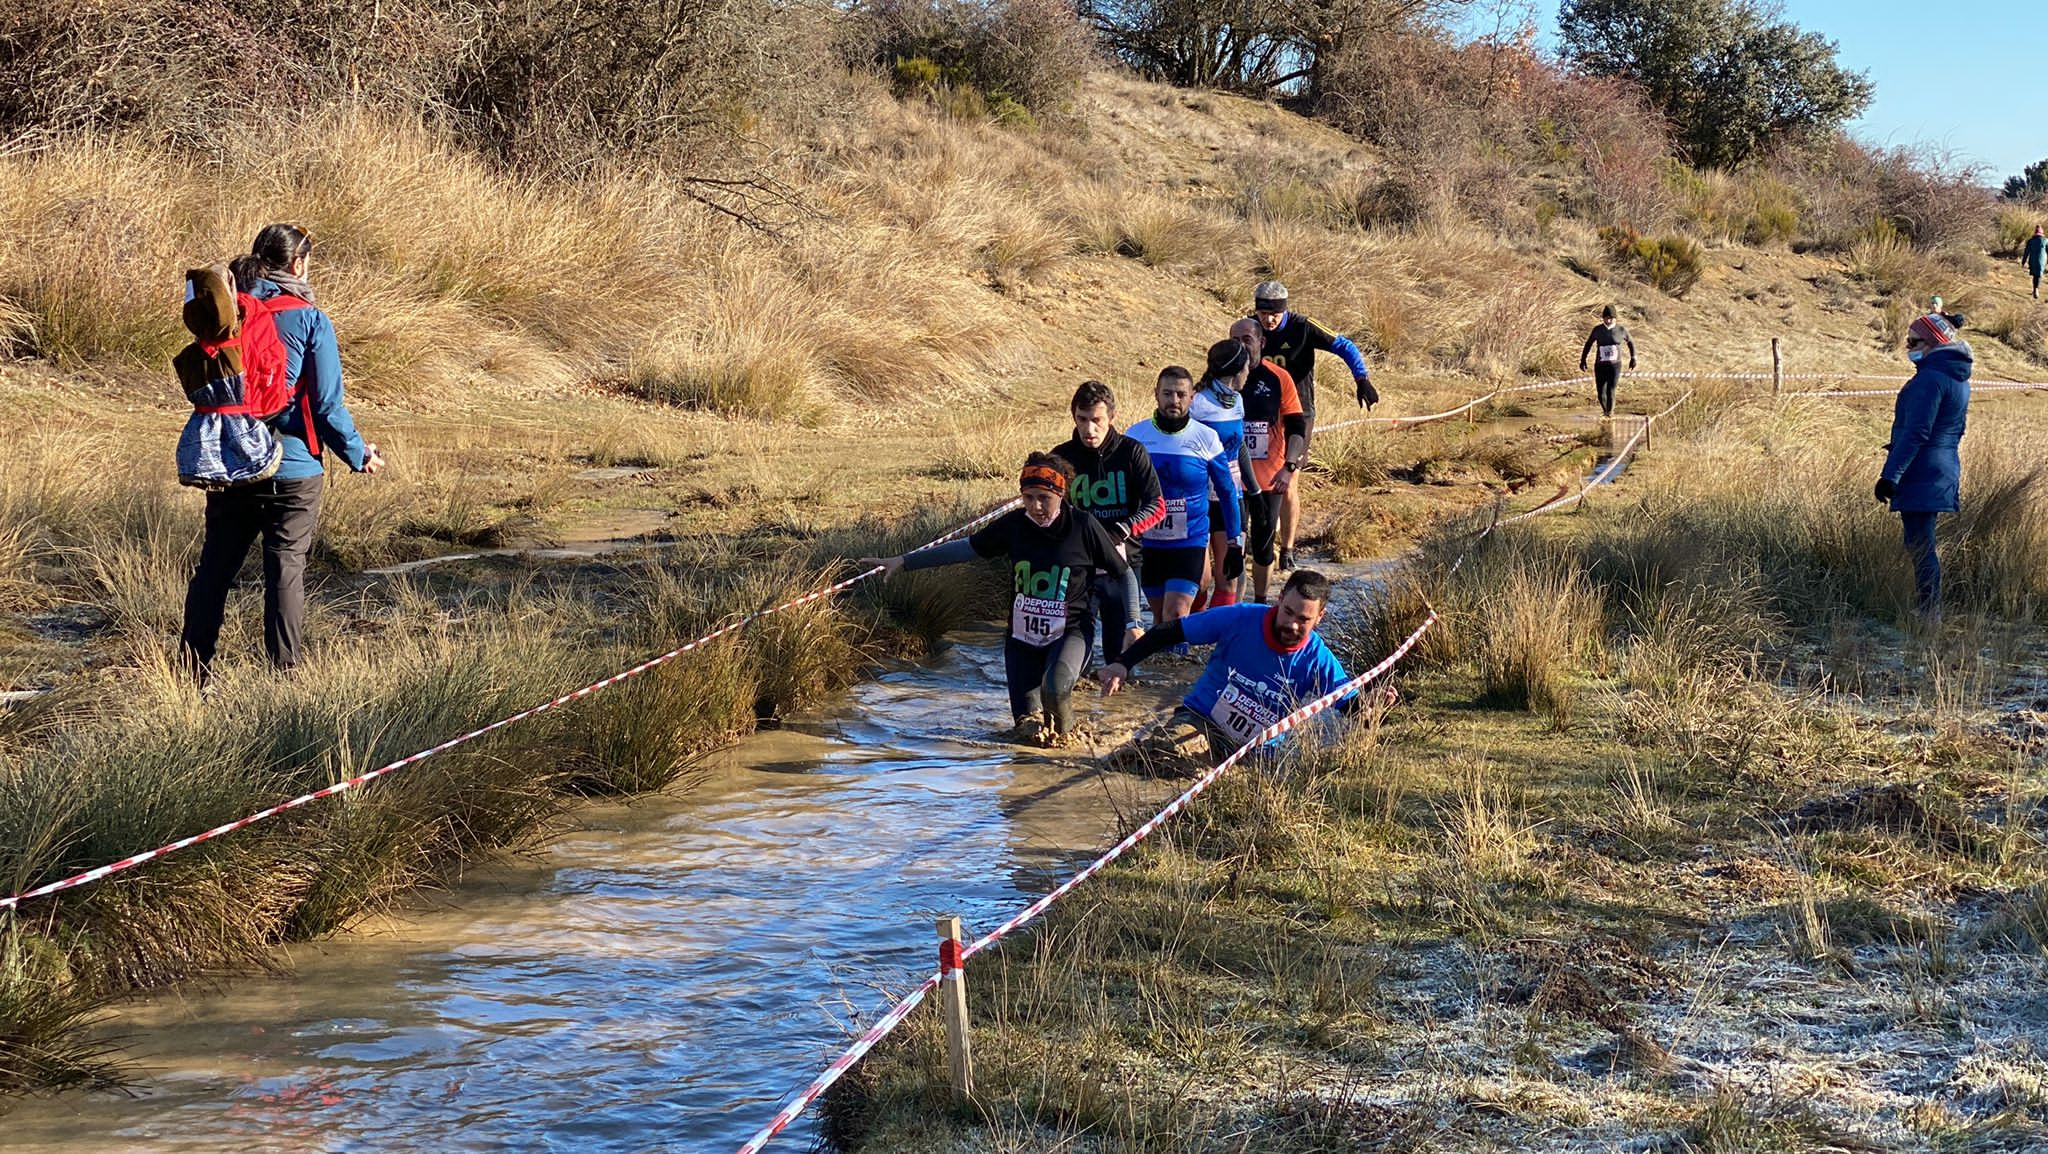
[(1922, 475)]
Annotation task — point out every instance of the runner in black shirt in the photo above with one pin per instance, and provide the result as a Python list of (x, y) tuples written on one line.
[(1115, 482), (1608, 337), (1055, 553)]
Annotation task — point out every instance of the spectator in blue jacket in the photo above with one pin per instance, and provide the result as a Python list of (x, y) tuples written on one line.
[(1922, 475), (282, 510)]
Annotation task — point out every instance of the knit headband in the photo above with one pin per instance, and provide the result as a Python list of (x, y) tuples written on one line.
[(1043, 477)]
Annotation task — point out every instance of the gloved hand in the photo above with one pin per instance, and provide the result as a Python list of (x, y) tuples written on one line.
[(1367, 395), (1884, 489), (1233, 562)]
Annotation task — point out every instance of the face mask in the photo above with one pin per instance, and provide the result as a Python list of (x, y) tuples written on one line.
[(1914, 355)]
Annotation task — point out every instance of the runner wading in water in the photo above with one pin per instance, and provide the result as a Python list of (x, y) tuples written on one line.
[(1922, 475), (1115, 482), (1275, 445), (282, 509), (1219, 404), (1607, 338), (1190, 461), (1267, 661), (1055, 553), (1294, 340)]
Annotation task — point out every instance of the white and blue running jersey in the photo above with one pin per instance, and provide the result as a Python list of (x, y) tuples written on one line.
[(1223, 412), (1189, 463)]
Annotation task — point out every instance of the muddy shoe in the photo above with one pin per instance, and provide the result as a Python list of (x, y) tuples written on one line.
[(1050, 738), (1176, 749), (1029, 730)]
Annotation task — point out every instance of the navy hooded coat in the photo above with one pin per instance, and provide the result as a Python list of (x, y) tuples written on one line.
[(1927, 427)]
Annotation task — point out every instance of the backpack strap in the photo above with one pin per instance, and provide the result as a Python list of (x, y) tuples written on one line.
[(285, 303)]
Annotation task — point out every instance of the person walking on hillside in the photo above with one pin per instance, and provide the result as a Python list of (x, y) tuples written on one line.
[(282, 509), (2035, 257), (1923, 471), (1605, 345), (1294, 340), (1189, 458), (1055, 552)]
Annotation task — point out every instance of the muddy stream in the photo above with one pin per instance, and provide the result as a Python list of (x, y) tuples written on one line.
[(661, 977)]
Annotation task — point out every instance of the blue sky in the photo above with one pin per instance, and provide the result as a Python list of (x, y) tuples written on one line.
[(1970, 76)]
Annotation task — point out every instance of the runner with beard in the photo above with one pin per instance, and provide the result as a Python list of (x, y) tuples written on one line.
[(1266, 663), (1055, 553), (1115, 482), (1190, 461)]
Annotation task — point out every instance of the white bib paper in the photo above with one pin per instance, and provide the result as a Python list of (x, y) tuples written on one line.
[(1240, 715), (1608, 354), (1258, 439), (1175, 527), (1037, 620)]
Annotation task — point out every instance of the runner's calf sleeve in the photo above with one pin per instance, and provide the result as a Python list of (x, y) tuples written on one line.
[(1223, 597)]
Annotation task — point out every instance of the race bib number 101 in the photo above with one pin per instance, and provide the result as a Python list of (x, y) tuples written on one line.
[(1241, 716)]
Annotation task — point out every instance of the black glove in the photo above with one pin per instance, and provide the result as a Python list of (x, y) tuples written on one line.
[(1367, 395), (1884, 489), (1233, 563)]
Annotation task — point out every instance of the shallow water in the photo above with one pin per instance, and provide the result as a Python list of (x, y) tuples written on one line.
[(661, 978)]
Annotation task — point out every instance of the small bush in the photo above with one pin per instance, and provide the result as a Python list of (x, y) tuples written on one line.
[(1536, 616), (1004, 59), (1672, 264), (2014, 225)]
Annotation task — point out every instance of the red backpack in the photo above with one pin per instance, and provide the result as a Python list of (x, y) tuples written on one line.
[(235, 374)]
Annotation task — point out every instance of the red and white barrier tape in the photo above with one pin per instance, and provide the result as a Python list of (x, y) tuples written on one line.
[(1604, 475), (950, 963), (98, 872)]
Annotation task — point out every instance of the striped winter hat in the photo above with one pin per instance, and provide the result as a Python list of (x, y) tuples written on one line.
[(1932, 329)]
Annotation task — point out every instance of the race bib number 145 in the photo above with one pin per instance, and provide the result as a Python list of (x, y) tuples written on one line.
[(1037, 620)]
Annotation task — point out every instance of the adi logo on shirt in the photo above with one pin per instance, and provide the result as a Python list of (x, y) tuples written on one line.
[(1050, 584), (1095, 494)]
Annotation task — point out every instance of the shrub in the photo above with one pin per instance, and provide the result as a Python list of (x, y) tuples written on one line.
[(1672, 263), (2014, 226), (1007, 59)]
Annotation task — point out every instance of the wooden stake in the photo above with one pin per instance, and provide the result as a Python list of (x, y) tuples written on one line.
[(1777, 368), (953, 1000)]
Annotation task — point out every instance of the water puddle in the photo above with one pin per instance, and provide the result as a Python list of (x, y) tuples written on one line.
[(657, 980), (597, 535)]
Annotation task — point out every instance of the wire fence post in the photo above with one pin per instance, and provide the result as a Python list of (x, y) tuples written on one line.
[(953, 1000), (1777, 368)]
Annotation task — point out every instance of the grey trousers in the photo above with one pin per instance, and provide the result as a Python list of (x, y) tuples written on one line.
[(282, 514)]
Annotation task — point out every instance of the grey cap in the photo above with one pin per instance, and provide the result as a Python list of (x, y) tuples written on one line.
[(1269, 292)]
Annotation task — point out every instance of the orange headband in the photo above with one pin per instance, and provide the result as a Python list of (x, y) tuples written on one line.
[(1043, 477)]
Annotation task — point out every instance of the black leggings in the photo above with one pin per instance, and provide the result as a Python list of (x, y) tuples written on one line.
[(1042, 677), (1606, 375), (282, 514), (1262, 518)]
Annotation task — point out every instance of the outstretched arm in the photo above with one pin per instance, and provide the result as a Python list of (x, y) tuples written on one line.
[(1154, 641), (951, 553)]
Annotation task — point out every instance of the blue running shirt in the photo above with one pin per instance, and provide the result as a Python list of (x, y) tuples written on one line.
[(1189, 463), (1249, 683)]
